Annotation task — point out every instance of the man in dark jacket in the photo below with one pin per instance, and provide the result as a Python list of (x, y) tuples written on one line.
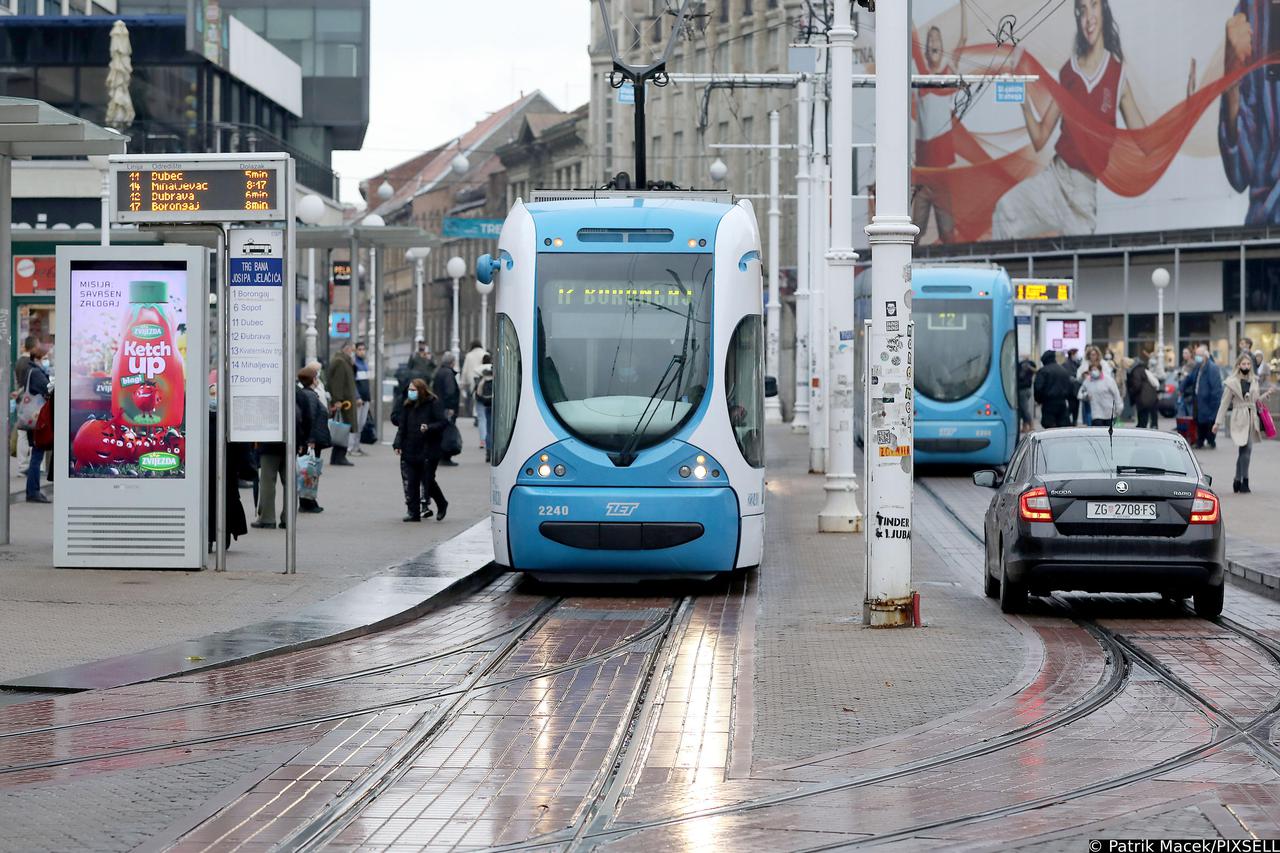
[(445, 386), (1144, 394), (1053, 392), (422, 364), (344, 398)]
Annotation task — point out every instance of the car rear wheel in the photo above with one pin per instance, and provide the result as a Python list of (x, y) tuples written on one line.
[(1209, 601), (1013, 597), (990, 585)]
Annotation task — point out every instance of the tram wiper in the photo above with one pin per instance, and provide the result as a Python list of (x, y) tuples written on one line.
[(627, 454)]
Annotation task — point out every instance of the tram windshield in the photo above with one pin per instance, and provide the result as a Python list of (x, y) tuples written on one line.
[(624, 344), (952, 347)]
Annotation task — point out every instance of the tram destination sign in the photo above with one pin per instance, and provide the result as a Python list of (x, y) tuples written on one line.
[(199, 188)]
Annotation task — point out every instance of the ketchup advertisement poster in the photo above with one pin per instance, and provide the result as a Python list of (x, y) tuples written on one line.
[(128, 371)]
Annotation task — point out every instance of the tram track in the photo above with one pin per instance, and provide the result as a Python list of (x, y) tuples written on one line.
[(638, 637), (326, 681), (1123, 655), (327, 825)]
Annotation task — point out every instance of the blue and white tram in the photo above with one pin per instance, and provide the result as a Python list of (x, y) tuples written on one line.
[(628, 434)]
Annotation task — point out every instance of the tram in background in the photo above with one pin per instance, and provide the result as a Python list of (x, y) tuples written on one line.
[(628, 435), (966, 356)]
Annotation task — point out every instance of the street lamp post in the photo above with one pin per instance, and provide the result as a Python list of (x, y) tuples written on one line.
[(840, 513), (418, 255), (804, 95), (374, 343), (819, 234), (1160, 280), (484, 290), (311, 211), (888, 428), (455, 268), (772, 407)]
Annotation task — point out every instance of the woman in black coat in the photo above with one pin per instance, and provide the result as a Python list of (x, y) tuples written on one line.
[(312, 426), (417, 442)]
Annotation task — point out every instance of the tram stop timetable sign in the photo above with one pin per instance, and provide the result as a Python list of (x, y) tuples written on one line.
[(256, 338), (199, 188)]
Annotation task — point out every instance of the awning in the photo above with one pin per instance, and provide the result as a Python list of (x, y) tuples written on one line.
[(34, 129)]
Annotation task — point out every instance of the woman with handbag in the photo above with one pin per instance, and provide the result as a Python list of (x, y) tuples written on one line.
[(316, 439), (417, 443), (35, 392), (1240, 412)]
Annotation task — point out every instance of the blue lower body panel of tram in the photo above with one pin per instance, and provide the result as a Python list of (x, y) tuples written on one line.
[(639, 531), (962, 442)]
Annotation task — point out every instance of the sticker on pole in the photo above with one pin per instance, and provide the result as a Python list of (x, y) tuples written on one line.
[(1011, 92), (255, 320), (627, 93)]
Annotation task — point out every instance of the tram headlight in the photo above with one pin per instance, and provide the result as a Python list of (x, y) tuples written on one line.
[(700, 471), (685, 471), (559, 469), (544, 470)]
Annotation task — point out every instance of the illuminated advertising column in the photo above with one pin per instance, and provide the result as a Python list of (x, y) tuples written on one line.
[(131, 409)]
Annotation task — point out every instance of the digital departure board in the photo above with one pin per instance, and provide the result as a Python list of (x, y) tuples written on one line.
[(199, 188), (1042, 290)]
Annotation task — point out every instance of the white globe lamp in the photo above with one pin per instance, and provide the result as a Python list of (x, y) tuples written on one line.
[(718, 170), (311, 209)]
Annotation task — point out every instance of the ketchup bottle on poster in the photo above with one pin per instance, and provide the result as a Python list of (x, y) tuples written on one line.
[(148, 382)]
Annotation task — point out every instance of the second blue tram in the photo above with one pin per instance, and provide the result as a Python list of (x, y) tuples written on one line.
[(965, 363)]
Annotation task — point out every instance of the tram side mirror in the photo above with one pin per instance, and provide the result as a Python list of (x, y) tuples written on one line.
[(771, 386), (486, 266), (986, 479)]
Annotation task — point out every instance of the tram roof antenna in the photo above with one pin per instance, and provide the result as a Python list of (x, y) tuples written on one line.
[(638, 75)]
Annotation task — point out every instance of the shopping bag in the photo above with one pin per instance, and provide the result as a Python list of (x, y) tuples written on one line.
[(451, 441), (310, 466), (1187, 428), (339, 432), (1265, 422), (29, 406)]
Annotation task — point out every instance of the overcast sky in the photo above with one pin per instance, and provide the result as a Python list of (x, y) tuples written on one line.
[(439, 66)]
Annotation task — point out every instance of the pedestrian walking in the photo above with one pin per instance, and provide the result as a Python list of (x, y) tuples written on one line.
[(315, 438), (1072, 364), (1026, 404), (272, 464), (422, 364), (1144, 392), (362, 372), (344, 398), (1092, 358), (470, 369), (417, 443), (445, 386), (1100, 392), (20, 370), (36, 383), (1238, 412), (1203, 387), (1052, 390), (484, 404)]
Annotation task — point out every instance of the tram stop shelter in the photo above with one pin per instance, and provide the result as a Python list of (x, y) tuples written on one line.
[(30, 128)]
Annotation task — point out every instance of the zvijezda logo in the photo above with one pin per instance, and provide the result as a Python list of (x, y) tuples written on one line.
[(158, 461)]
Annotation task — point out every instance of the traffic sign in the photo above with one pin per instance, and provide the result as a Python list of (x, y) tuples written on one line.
[(199, 188), (1011, 92)]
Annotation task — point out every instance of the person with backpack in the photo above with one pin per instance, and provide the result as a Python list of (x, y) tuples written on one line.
[(1144, 392), (1026, 381), (484, 404), (1052, 390)]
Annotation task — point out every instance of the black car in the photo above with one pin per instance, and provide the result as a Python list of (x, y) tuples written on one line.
[(1100, 510)]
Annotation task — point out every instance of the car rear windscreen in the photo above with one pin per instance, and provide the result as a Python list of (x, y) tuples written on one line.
[(1100, 454)]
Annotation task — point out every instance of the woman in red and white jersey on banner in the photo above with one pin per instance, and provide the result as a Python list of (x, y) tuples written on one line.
[(935, 143), (1063, 198)]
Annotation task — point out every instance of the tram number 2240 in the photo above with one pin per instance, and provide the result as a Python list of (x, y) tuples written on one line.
[(553, 509)]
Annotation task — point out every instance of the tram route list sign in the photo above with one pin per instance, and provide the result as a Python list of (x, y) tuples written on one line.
[(197, 190), (255, 327)]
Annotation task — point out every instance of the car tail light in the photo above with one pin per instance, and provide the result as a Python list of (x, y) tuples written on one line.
[(1033, 505), (1204, 509)]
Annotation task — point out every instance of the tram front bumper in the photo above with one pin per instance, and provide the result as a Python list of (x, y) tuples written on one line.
[(642, 531)]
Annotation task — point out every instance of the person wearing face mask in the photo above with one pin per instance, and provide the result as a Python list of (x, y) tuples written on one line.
[(1092, 358), (1099, 390), (1238, 412), (1203, 389), (37, 382), (417, 443)]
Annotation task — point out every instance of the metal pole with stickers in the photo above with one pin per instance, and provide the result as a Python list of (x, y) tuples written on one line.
[(249, 200)]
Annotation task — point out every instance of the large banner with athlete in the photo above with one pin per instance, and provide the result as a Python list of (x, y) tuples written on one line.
[(1148, 115)]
